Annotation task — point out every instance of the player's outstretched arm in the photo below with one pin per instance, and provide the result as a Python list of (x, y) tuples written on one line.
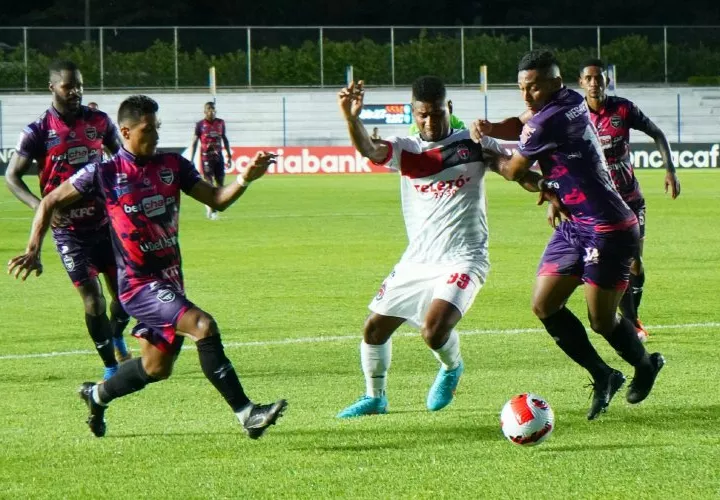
[(507, 130), (221, 197), (350, 100), (19, 166), (23, 265)]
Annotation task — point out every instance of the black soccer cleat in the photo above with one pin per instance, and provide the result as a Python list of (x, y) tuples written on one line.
[(644, 379), (603, 392), (263, 416), (96, 419)]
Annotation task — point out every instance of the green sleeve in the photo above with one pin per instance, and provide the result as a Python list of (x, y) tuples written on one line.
[(413, 129), (456, 122)]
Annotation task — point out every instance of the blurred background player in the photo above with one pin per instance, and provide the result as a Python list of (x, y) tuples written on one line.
[(210, 131), (93, 105), (376, 134), (446, 261), (64, 139), (455, 122), (613, 118), (141, 192), (594, 247)]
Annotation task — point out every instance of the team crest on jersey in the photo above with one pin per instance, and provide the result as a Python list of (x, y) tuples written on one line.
[(616, 121), (71, 135), (381, 292), (69, 262), (146, 181), (165, 296), (91, 133), (166, 175), (463, 152)]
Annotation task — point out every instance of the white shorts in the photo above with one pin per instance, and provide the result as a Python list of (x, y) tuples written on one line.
[(410, 288)]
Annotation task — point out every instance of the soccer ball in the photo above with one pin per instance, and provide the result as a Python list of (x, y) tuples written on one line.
[(527, 420)]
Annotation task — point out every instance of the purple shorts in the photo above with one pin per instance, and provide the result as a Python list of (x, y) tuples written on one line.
[(599, 259), (158, 306), (214, 169), (86, 255)]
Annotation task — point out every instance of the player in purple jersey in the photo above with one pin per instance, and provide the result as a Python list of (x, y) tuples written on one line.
[(613, 118), (594, 247), (64, 139), (141, 192)]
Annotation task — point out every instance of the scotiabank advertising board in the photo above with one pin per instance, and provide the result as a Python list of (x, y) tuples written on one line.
[(309, 160), (295, 160)]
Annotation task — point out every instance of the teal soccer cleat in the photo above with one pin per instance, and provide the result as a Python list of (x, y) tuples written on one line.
[(365, 406), (443, 389)]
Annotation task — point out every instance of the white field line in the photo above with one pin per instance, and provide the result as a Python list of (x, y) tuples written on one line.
[(339, 338)]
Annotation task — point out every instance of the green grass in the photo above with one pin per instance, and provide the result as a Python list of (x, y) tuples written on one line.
[(300, 258)]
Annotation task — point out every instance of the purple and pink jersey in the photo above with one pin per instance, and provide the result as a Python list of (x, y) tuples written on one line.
[(562, 139), (142, 199), (613, 123), (61, 149), (210, 134)]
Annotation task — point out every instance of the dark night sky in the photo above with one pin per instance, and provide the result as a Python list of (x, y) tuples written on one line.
[(359, 12)]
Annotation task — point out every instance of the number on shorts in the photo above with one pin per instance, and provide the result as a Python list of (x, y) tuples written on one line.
[(461, 280)]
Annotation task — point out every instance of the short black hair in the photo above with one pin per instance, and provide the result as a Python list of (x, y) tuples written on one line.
[(593, 61), (541, 60), (135, 107), (428, 89), (59, 65), (211, 104)]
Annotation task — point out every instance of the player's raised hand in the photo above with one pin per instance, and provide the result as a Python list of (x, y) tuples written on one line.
[(259, 165), (672, 183), (23, 265), (479, 129), (350, 100)]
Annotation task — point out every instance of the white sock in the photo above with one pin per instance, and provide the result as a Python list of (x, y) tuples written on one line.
[(96, 395), (449, 354), (375, 360), (243, 414)]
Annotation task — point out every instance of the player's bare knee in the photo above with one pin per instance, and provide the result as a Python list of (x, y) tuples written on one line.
[(542, 309), (373, 334), (604, 325), (158, 369), (206, 326), (435, 333)]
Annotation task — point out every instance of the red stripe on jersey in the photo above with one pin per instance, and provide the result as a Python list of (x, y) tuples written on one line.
[(388, 157), (424, 164)]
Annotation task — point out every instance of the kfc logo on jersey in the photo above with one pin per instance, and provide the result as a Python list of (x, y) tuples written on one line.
[(166, 175), (77, 155), (78, 213), (91, 133), (616, 121)]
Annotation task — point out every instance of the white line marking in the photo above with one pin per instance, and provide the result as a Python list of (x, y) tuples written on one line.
[(339, 338)]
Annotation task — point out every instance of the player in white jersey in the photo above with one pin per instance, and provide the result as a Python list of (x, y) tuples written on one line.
[(446, 261)]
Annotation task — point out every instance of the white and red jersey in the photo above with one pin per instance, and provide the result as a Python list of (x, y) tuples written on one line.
[(443, 197)]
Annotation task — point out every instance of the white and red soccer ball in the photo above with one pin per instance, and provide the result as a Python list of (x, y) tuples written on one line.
[(527, 420)]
